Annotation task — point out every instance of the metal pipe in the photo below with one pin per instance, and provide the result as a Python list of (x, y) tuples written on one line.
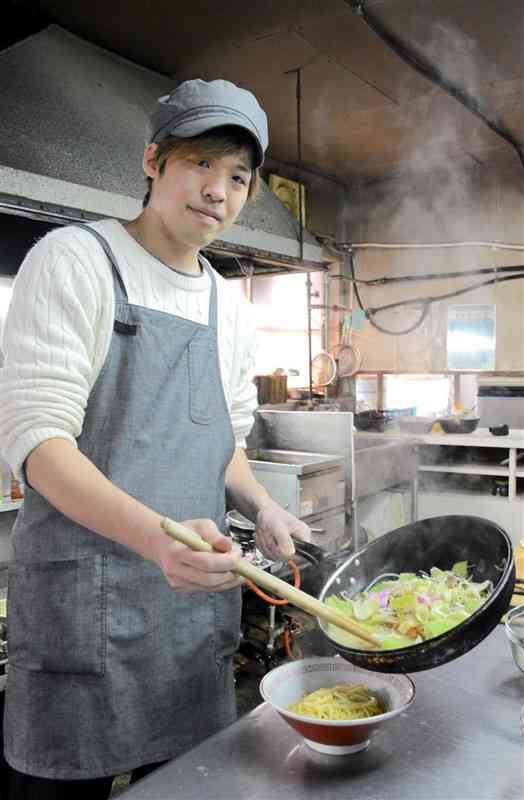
[(301, 224), (332, 307), (299, 159), (327, 295), (309, 342)]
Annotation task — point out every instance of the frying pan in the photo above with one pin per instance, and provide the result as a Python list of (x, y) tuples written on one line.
[(436, 542)]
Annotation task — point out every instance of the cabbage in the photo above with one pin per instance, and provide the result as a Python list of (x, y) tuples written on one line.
[(411, 608)]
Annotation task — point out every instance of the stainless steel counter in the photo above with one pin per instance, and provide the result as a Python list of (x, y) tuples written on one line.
[(292, 462), (459, 741)]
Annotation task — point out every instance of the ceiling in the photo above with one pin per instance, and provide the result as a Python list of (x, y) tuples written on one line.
[(365, 114)]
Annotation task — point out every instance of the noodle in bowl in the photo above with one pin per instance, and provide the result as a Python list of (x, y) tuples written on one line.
[(289, 682)]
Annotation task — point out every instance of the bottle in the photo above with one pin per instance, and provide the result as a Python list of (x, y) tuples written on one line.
[(5, 482), (519, 560), (17, 492), (518, 599)]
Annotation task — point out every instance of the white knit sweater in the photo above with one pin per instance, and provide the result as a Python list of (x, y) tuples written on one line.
[(59, 326)]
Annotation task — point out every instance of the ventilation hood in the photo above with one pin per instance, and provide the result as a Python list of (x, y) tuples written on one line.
[(73, 124)]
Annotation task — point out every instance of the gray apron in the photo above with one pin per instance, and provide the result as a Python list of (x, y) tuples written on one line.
[(110, 668)]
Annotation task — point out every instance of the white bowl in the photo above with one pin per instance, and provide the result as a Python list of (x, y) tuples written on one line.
[(289, 682)]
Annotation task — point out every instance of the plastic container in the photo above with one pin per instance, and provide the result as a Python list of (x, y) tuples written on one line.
[(514, 626)]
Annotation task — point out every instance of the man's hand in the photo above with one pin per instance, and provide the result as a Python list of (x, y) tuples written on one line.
[(187, 570), (274, 529)]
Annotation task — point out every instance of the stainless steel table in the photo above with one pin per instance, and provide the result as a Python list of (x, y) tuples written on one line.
[(459, 741)]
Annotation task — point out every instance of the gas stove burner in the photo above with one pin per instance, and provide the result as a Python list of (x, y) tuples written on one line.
[(236, 520), (242, 531)]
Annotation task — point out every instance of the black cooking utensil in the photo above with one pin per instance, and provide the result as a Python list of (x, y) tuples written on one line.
[(499, 430), (437, 542)]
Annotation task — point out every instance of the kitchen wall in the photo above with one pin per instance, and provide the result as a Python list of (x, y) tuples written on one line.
[(444, 205)]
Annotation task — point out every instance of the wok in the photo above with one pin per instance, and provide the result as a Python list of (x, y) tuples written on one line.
[(435, 542)]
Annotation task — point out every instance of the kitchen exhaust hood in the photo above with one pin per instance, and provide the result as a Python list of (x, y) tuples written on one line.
[(73, 124)]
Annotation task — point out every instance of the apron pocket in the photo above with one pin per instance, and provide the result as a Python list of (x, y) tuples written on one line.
[(56, 616), (202, 369)]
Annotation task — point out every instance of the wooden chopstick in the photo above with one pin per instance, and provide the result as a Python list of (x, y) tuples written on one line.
[(262, 578)]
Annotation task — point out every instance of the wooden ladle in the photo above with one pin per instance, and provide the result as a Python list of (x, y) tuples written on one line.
[(279, 587)]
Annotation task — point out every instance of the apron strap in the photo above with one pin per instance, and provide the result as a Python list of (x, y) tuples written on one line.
[(213, 302), (120, 289)]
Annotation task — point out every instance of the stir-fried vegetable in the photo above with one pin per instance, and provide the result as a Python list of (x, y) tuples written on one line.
[(411, 608)]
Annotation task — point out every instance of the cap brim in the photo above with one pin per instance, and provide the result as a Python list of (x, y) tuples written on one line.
[(197, 126)]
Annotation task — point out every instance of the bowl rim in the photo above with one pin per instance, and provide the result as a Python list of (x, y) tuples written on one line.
[(340, 723)]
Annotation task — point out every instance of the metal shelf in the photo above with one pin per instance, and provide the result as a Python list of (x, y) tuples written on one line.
[(466, 469)]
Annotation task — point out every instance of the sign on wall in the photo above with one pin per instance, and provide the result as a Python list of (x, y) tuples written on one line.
[(288, 192), (471, 337)]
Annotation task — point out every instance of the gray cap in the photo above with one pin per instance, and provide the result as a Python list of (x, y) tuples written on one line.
[(197, 106)]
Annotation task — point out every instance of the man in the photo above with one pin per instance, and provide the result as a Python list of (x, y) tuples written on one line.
[(127, 397)]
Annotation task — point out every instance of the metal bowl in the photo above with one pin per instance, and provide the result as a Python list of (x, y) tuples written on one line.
[(435, 542), (415, 424), (459, 424), (514, 626), (376, 421)]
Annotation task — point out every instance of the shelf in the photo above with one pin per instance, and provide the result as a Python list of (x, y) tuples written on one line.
[(10, 505), (471, 483), (479, 438), (461, 492), (466, 469)]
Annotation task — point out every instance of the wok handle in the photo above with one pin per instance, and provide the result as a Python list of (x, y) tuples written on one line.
[(279, 587)]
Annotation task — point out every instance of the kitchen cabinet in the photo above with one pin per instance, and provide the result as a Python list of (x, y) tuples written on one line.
[(303, 483)]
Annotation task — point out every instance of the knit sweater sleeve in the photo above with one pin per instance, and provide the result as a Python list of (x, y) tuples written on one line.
[(243, 389), (55, 340)]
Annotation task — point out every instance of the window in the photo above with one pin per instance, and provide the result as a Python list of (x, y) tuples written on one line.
[(471, 337), (280, 305), (421, 395), (418, 395)]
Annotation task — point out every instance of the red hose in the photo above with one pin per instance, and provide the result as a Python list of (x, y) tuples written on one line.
[(273, 600)]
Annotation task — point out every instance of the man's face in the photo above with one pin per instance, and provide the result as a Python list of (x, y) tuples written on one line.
[(196, 199)]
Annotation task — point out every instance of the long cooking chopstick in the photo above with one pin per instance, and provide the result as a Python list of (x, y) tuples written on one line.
[(279, 587)]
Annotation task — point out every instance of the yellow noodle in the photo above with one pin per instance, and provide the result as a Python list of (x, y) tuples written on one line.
[(345, 701)]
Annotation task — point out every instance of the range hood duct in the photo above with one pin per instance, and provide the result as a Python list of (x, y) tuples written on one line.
[(73, 123)]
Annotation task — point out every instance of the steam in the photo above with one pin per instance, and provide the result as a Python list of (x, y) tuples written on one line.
[(438, 191), (435, 171)]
